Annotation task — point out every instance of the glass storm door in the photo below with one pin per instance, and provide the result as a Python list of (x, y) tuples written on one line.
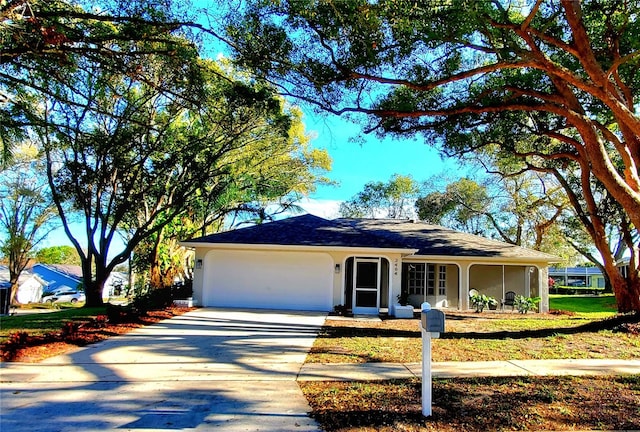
[(366, 286)]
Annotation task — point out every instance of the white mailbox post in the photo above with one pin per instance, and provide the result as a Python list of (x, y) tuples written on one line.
[(432, 324)]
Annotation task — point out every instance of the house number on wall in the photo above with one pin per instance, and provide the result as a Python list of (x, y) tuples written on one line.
[(395, 267)]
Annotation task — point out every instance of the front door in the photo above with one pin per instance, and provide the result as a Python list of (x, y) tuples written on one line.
[(366, 286)]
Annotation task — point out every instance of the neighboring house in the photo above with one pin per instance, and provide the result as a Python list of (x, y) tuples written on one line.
[(623, 266), (310, 263), (58, 276), (66, 275), (577, 278), (30, 286), (115, 285)]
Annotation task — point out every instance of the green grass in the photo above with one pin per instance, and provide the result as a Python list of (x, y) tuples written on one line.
[(601, 306), (41, 323)]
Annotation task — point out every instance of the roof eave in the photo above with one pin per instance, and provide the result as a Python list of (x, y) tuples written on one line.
[(322, 248), (492, 259)]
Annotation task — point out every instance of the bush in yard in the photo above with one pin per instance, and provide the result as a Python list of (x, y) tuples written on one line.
[(525, 304), (153, 299), (182, 290), (481, 301)]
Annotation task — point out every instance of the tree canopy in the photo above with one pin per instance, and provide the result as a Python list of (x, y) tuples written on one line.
[(58, 255), (527, 210), (267, 171), (138, 130), (393, 199), (553, 83), (51, 38), (133, 156)]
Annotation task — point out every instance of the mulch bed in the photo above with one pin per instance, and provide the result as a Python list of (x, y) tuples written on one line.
[(22, 347)]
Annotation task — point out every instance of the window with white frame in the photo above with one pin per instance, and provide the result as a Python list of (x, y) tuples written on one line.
[(415, 278), (418, 276), (442, 280), (431, 279)]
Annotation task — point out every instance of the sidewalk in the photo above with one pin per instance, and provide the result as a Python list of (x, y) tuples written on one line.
[(387, 371)]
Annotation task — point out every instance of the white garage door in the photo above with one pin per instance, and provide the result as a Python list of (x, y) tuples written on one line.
[(268, 280)]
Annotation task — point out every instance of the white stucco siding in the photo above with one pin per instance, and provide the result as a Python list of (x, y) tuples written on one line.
[(268, 280)]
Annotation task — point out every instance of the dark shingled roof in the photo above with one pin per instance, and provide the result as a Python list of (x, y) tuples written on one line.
[(305, 230), (430, 240), (437, 240)]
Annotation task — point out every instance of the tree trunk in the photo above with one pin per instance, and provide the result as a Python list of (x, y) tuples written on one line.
[(18, 260), (13, 299), (155, 274), (93, 292), (92, 288), (626, 290)]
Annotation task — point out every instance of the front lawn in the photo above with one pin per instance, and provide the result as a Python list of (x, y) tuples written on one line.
[(600, 306), (34, 337), (587, 327), (582, 327), (38, 324)]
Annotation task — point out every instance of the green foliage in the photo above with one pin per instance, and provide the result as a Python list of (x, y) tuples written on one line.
[(52, 39), (403, 298), (268, 165), (147, 300), (463, 206), (99, 84), (27, 212), (482, 301), (527, 209), (188, 141), (392, 199), (525, 304), (58, 255), (153, 300)]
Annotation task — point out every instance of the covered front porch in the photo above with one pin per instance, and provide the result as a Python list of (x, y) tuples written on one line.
[(447, 284)]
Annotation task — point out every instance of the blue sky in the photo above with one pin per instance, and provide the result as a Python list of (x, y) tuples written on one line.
[(355, 164)]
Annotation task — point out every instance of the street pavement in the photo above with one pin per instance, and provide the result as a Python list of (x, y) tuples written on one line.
[(228, 370)]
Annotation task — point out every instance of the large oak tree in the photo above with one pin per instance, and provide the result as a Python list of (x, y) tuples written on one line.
[(553, 82), (132, 157)]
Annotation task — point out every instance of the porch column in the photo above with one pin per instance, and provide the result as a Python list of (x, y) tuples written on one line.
[(543, 289), (395, 282), (463, 289)]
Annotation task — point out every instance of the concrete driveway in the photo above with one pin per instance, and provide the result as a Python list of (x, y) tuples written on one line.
[(229, 370)]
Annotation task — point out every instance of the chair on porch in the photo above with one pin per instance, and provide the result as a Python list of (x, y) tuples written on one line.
[(509, 300)]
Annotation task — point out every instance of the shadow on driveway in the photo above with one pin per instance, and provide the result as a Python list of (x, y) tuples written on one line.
[(228, 369)]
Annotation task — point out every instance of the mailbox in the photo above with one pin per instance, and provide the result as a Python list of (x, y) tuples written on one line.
[(433, 321), (432, 325)]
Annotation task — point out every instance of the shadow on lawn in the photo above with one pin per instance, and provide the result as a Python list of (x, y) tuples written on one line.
[(615, 323)]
